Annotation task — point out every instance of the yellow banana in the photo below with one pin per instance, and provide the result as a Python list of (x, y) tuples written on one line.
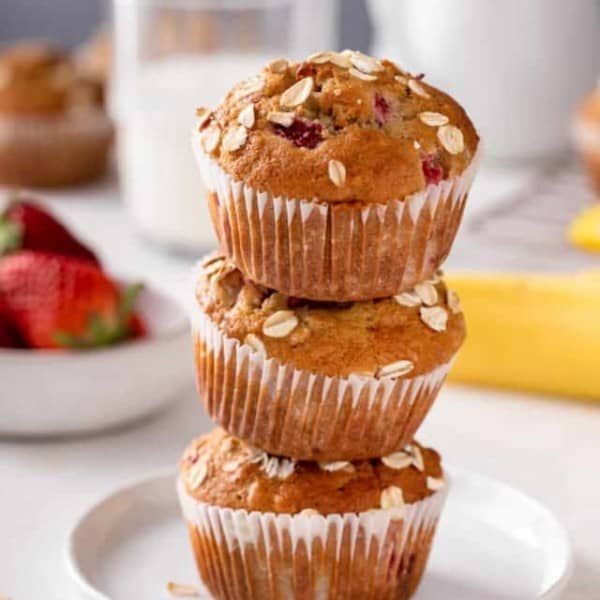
[(584, 232), (531, 332)]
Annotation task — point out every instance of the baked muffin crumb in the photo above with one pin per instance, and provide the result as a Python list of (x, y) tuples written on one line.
[(408, 334), (221, 470), (311, 115)]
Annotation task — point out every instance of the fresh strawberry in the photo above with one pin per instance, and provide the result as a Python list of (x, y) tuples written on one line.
[(27, 226), (57, 301), (137, 327), (9, 336)]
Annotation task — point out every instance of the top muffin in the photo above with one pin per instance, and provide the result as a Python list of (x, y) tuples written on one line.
[(340, 127), (37, 79)]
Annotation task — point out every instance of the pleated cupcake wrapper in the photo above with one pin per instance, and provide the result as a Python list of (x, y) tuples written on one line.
[(49, 151), (339, 252), (374, 554), (311, 416), (50, 130)]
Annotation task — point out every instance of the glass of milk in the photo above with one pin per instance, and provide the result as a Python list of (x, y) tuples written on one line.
[(172, 56)]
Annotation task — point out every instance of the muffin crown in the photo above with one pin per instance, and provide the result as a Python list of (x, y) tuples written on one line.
[(340, 127), (403, 336), (221, 470), (39, 79)]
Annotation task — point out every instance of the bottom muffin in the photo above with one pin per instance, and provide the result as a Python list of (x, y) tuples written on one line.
[(263, 526)]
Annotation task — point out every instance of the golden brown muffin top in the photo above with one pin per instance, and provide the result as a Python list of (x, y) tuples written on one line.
[(339, 127), (37, 79), (406, 335), (221, 470)]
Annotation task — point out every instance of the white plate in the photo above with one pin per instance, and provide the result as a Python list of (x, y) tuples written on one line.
[(493, 543), (53, 392)]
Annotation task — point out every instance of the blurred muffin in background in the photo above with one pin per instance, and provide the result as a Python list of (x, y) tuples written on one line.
[(94, 58), (54, 130), (586, 133)]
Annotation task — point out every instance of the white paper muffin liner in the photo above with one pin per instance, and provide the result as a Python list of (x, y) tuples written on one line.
[(310, 416), (54, 150), (327, 251), (253, 555)]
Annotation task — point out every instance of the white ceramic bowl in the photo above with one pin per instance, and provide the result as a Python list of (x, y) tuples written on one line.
[(54, 392)]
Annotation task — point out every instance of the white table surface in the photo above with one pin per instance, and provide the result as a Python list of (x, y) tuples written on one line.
[(546, 447)]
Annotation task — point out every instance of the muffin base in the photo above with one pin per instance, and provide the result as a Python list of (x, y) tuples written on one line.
[(54, 151), (304, 415), (327, 251), (250, 555)]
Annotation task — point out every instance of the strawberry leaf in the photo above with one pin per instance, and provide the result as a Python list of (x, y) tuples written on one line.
[(100, 331), (11, 236)]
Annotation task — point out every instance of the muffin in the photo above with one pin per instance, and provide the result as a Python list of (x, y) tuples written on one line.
[(339, 178), (586, 133), (53, 127), (269, 527), (320, 380), (94, 58)]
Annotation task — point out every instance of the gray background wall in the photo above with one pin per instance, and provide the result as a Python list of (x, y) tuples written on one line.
[(71, 21)]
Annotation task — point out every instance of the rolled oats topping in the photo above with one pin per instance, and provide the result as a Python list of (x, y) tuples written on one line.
[(417, 457), (451, 138), (398, 460), (330, 103), (396, 369), (453, 302), (279, 65), (338, 465), (202, 117), (210, 137), (418, 89), (276, 467), (337, 172), (280, 324), (284, 119), (384, 339), (298, 93), (361, 75), (197, 474), (246, 116), (242, 476), (435, 484), (427, 293), (408, 299), (392, 497), (435, 317), (182, 590), (363, 62), (234, 138), (309, 512), (433, 119), (231, 466), (255, 343), (249, 87)]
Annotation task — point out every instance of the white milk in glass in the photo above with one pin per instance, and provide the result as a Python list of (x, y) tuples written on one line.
[(160, 180)]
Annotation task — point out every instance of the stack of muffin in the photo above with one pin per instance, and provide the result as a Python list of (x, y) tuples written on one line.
[(323, 329)]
